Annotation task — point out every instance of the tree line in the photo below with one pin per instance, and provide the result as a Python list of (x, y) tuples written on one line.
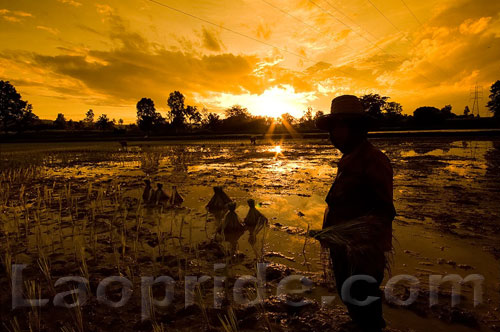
[(16, 115)]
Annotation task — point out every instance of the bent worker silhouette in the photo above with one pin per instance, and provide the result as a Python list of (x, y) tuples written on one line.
[(357, 225)]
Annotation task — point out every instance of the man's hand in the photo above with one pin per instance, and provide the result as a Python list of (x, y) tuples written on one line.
[(314, 232)]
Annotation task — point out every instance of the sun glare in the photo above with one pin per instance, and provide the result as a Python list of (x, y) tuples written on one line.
[(277, 149), (276, 101)]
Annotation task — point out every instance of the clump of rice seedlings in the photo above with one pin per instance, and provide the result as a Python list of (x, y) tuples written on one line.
[(356, 236), (44, 266)]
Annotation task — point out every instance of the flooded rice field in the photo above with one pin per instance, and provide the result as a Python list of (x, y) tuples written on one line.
[(76, 209)]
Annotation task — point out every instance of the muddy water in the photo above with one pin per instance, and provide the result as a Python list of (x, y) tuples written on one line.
[(446, 194)]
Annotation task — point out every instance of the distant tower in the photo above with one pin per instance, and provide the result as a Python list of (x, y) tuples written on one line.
[(476, 95)]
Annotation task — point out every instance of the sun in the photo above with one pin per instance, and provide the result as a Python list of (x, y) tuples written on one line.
[(276, 101), (277, 149)]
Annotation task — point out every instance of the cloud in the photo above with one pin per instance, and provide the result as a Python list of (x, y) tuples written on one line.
[(105, 10), (126, 74), (14, 16), (211, 41), (263, 31), (457, 45), (473, 27), (53, 31), (71, 2)]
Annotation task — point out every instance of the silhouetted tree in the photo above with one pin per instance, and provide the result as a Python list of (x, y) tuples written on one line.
[(237, 112), (318, 114), (60, 121), (147, 117), (89, 118), (374, 104), (193, 115), (213, 121), (494, 102), (14, 112), (427, 116), (103, 122), (287, 118), (446, 112), (393, 108), (28, 120), (466, 111), (177, 114), (307, 120)]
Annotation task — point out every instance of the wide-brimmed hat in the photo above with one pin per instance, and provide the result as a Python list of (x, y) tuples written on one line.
[(344, 108)]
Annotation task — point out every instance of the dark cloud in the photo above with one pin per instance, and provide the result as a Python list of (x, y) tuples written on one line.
[(263, 31), (211, 41), (465, 9)]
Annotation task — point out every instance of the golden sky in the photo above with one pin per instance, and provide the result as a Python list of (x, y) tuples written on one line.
[(271, 56)]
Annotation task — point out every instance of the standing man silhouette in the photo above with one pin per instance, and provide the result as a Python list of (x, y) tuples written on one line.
[(361, 193)]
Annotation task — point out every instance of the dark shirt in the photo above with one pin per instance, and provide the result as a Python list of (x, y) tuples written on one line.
[(363, 187)]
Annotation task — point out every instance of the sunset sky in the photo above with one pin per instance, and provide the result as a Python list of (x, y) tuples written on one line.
[(271, 56)]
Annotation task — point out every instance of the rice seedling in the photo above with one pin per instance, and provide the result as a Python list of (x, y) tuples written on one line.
[(14, 325), (7, 262), (229, 322), (158, 327), (34, 317), (180, 231), (139, 221), (84, 270), (77, 314), (260, 308), (201, 304), (306, 263), (44, 266), (123, 241), (67, 328), (151, 309), (263, 247), (130, 273)]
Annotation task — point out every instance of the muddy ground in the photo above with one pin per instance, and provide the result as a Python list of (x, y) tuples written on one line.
[(75, 209)]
